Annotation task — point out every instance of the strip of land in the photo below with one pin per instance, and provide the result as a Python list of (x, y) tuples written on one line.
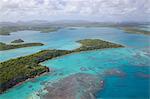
[(135, 30), (17, 70), (4, 46), (8, 29)]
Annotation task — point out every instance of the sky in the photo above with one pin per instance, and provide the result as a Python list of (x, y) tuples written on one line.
[(92, 10)]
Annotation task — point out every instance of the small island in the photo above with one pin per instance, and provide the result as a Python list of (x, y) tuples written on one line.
[(4, 46), (47, 30), (17, 41), (135, 30), (20, 69)]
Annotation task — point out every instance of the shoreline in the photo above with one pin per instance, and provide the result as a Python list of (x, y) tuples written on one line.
[(20, 83), (80, 52), (32, 63), (49, 68), (5, 47), (9, 30)]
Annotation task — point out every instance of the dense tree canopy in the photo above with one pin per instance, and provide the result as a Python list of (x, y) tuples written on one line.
[(16, 70)]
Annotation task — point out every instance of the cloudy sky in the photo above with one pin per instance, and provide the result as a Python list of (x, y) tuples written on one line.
[(93, 10)]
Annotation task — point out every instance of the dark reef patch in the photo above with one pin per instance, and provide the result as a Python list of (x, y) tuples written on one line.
[(84, 69), (30, 86), (80, 85), (143, 75), (115, 72), (43, 82)]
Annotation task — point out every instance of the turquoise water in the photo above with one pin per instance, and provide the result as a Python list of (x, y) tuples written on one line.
[(65, 39), (133, 61)]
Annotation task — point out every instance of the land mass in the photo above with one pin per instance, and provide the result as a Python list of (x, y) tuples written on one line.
[(17, 41), (4, 46), (44, 26), (17, 70), (135, 30), (6, 30)]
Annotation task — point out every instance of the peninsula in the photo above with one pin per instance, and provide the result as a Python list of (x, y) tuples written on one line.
[(20, 69), (4, 46)]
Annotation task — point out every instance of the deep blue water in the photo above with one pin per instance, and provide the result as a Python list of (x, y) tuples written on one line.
[(133, 61), (134, 85)]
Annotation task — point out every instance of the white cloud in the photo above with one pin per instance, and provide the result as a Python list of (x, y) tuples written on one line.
[(49, 9)]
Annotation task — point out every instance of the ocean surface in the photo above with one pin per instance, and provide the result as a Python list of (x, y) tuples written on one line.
[(130, 65)]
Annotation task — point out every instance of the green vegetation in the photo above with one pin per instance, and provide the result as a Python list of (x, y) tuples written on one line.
[(6, 30), (135, 30), (4, 46), (92, 44), (49, 30), (17, 70), (17, 41)]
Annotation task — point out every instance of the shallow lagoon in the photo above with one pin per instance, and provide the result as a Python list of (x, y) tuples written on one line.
[(132, 60)]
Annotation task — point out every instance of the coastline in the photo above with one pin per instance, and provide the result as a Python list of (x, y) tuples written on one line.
[(80, 52), (39, 57), (4, 46), (6, 31), (20, 83)]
